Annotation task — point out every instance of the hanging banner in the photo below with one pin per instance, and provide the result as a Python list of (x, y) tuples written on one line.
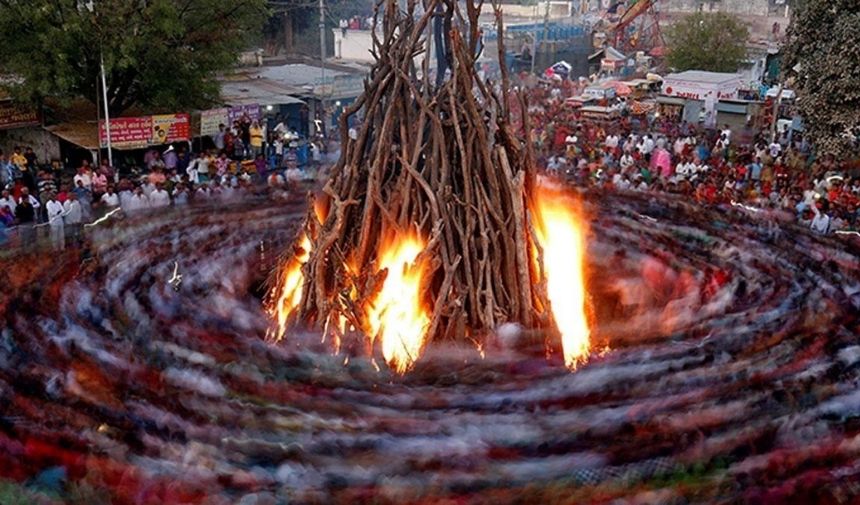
[(170, 128), (238, 112), (145, 131), (14, 116), (127, 132), (211, 119)]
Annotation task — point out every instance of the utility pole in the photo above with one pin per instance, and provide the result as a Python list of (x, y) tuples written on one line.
[(322, 62), (90, 6), (534, 38), (107, 116), (546, 21), (545, 32), (776, 103)]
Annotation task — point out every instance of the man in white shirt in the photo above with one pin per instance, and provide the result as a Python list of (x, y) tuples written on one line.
[(159, 198), (646, 145), (626, 162), (84, 177), (73, 216), (612, 141), (8, 201), (55, 223), (775, 149), (821, 222), (682, 170), (180, 195), (202, 193), (678, 147), (727, 132), (138, 202), (110, 199), (191, 171)]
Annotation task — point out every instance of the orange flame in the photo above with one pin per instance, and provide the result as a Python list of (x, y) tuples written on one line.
[(291, 286), (396, 315), (561, 234)]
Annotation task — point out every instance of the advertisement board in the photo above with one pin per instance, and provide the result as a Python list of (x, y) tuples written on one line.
[(170, 128), (14, 116), (211, 119), (127, 132), (145, 131)]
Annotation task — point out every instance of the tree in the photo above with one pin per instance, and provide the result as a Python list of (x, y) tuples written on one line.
[(160, 54), (714, 42), (822, 54)]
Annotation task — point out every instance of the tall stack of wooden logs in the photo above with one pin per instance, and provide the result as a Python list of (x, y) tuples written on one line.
[(437, 157)]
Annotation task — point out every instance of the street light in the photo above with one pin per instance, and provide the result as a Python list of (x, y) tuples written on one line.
[(91, 7)]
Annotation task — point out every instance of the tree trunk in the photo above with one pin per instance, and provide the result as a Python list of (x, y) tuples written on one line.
[(289, 33)]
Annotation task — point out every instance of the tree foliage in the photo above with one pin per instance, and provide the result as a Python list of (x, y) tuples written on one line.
[(713, 42), (160, 54), (822, 54)]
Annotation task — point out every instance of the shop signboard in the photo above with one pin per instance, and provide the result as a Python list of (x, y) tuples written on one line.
[(15, 116), (145, 131)]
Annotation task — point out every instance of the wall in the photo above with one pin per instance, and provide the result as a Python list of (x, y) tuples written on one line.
[(740, 7), (557, 9), (354, 47), (45, 144)]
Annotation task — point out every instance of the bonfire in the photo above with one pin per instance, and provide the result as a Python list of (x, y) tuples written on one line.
[(433, 225)]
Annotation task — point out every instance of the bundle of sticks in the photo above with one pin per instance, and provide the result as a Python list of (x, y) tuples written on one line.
[(437, 157)]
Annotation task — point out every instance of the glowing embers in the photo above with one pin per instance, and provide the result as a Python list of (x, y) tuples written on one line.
[(561, 236), (397, 316)]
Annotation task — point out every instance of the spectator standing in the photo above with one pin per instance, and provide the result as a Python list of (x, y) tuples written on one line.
[(55, 224), (8, 171), (170, 159), (30, 156), (25, 213), (100, 184), (34, 202), (6, 200), (83, 176), (138, 202), (159, 198), (73, 218), (218, 138), (256, 134), (110, 200), (106, 170), (46, 185)]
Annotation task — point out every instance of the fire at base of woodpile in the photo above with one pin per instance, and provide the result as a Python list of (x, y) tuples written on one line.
[(433, 225)]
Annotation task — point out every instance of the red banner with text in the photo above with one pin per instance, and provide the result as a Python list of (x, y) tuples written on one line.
[(145, 131)]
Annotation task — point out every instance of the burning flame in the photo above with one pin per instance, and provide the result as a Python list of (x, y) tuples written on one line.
[(291, 286), (561, 234), (396, 314)]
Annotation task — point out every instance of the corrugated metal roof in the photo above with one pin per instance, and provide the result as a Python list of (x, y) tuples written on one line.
[(81, 133), (257, 91), (299, 74)]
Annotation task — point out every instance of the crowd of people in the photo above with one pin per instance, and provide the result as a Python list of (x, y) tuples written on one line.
[(36, 197), (779, 174)]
